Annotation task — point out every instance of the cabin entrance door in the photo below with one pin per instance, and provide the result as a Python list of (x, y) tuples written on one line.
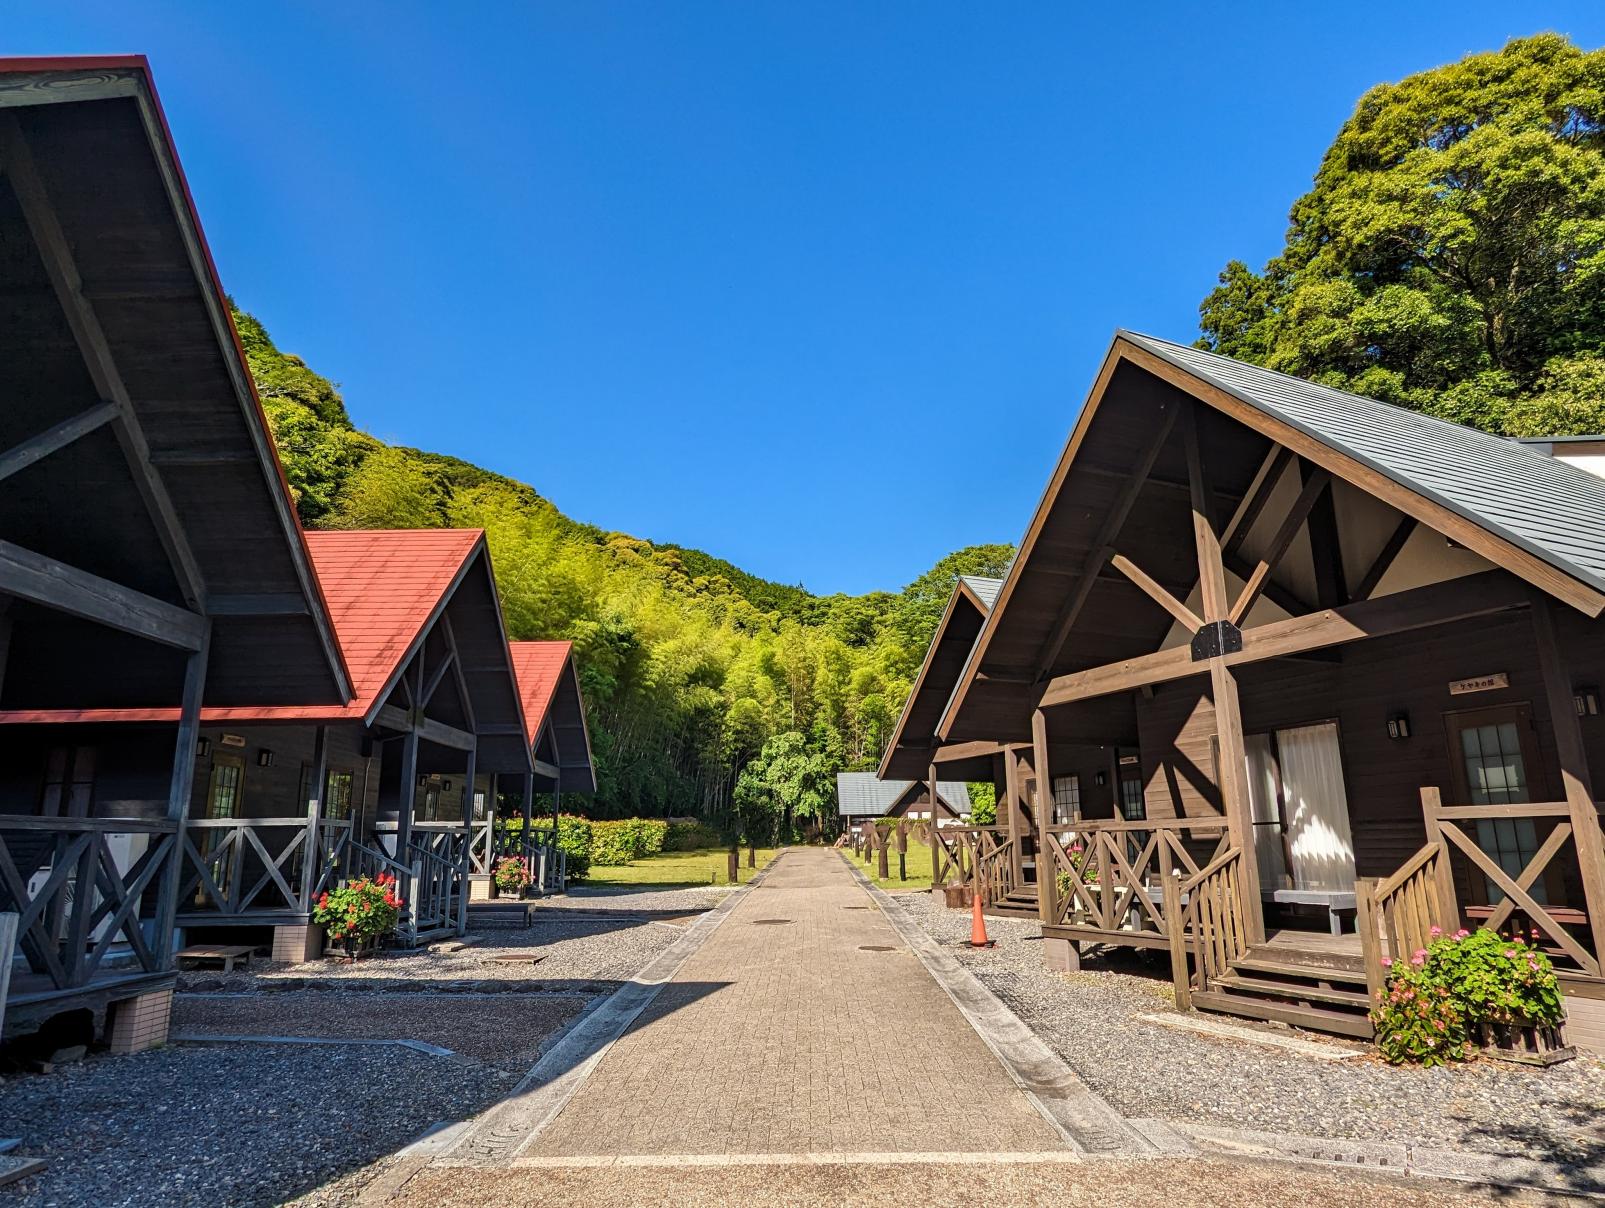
[(1300, 808), (1493, 759)]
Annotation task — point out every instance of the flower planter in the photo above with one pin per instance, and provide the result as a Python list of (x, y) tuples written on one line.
[(1527, 1043)]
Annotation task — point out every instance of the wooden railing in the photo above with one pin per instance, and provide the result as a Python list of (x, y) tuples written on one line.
[(976, 855), (1398, 915), (1216, 928), (236, 867), (73, 903), (439, 884), (1109, 875)]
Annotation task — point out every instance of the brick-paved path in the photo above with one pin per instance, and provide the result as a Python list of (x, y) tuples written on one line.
[(791, 1038)]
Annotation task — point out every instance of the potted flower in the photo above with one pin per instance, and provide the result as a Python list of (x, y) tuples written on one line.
[(510, 876), (1469, 991), (359, 913)]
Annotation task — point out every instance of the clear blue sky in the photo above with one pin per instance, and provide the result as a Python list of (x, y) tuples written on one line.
[(816, 287)]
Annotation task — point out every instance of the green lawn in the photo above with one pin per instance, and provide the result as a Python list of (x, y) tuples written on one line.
[(706, 866), (918, 863)]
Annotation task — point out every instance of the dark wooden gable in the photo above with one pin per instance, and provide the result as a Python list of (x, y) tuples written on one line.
[(132, 448), (909, 754)]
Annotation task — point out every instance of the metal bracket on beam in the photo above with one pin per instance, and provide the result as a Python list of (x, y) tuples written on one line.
[(1215, 639)]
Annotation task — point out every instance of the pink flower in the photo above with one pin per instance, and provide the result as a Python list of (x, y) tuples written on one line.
[(1435, 932)]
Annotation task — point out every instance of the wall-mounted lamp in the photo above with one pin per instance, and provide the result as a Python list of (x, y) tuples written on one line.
[(203, 748), (1101, 778), (445, 786), (1399, 725), (1586, 699), (264, 758)]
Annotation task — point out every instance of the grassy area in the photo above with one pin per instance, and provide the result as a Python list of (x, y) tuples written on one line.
[(706, 866), (918, 863)]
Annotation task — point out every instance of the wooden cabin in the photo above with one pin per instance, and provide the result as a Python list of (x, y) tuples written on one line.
[(150, 558), (864, 797), (560, 749), (1338, 665), (290, 799)]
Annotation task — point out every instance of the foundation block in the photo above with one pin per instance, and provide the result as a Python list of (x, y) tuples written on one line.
[(1059, 955), (139, 1023), (298, 943)]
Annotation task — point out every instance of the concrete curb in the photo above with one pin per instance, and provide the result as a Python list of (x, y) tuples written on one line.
[(508, 1129), (1079, 1115), (418, 1046)]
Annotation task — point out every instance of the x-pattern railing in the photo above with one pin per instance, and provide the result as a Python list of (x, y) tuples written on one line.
[(235, 865), (437, 857), (968, 854), (69, 922), (1109, 874)]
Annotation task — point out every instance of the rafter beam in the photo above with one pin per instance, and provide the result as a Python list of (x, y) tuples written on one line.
[(36, 448), (1420, 608), (1157, 593), (258, 604), (1314, 488), (55, 253), (1259, 494), (41, 580), (1103, 547), (1384, 560)]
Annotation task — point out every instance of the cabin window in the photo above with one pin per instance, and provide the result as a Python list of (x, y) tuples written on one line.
[(223, 792), (69, 782), (337, 794), (1132, 806), (1066, 799)]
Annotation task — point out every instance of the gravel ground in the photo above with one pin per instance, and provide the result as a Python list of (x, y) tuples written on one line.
[(208, 1126), (1144, 1069), (503, 1031), (630, 898)]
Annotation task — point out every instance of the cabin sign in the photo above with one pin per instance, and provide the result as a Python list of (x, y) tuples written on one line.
[(1479, 683)]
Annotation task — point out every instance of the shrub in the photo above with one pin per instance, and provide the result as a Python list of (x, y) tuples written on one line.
[(1430, 1007), (690, 836), (613, 842), (984, 813), (654, 833), (574, 838), (359, 911)]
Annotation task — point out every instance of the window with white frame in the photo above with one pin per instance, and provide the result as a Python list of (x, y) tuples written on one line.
[(1066, 799)]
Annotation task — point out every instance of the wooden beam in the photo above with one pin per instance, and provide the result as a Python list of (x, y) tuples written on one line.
[(38, 447), (1211, 571), (1314, 488), (1271, 590), (1103, 546), (432, 684), (965, 750), (1157, 593), (1047, 869), (1558, 583), (1383, 562), (41, 580), (181, 785), (258, 604), (457, 668), (1259, 494), (55, 253), (312, 852), (1574, 771), (1326, 545), (1420, 608)]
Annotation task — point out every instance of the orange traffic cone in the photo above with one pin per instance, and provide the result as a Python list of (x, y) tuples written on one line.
[(978, 938)]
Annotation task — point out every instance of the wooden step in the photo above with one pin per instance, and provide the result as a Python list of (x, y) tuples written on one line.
[(1286, 989), (1311, 958), (1285, 968), (1315, 1019)]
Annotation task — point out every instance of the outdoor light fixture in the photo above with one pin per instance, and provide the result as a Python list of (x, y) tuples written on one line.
[(1101, 778), (1586, 699), (203, 748), (1399, 725), (264, 758), (445, 786)]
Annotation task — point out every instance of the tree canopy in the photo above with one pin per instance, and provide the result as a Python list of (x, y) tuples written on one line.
[(692, 669), (1450, 257)]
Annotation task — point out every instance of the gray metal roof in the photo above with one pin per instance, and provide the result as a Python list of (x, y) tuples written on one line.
[(1553, 510), (986, 589), (865, 793)]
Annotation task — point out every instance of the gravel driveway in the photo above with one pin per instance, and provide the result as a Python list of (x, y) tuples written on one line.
[(1144, 1069)]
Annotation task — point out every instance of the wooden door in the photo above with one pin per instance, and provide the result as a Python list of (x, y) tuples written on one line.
[(1494, 761)]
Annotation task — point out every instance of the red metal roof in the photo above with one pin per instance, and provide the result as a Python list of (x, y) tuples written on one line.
[(383, 587), (538, 667)]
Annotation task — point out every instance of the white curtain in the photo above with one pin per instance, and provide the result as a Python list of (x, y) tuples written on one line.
[(1318, 835)]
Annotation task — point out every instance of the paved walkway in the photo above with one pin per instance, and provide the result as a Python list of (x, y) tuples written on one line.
[(795, 1050)]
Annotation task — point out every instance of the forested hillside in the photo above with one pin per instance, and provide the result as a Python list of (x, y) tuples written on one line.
[(1451, 254), (691, 667)]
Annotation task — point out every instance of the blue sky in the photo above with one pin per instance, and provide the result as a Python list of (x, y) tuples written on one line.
[(816, 287)]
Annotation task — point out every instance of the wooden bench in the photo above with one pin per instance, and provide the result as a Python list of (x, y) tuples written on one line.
[(227, 953), (1336, 902)]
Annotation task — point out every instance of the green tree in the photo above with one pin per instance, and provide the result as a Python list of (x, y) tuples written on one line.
[(1451, 254), (919, 609)]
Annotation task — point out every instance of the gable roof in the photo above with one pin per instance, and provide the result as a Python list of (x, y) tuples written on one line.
[(384, 587), (1553, 510), (913, 739), (95, 196), (865, 793), (549, 686)]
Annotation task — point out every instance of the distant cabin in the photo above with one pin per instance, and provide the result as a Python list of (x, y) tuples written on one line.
[(862, 796)]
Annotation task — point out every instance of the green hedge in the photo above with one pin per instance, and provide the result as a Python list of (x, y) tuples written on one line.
[(620, 841), (690, 836), (574, 837)]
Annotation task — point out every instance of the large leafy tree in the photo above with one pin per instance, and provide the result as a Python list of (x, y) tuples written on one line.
[(1451, 254)]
